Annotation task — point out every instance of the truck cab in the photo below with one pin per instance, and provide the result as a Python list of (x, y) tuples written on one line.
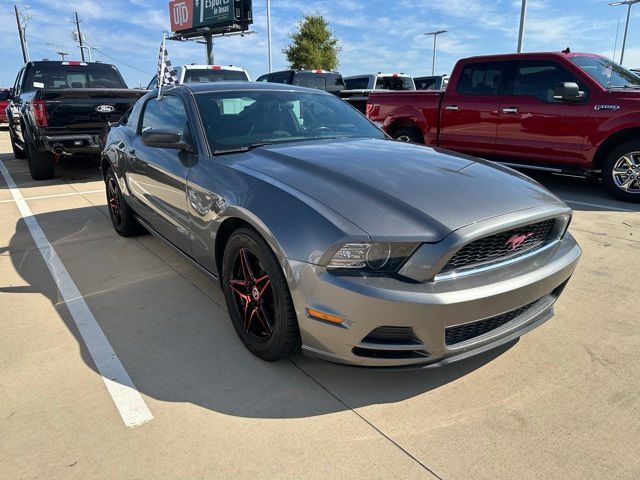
[(557, 111), (319, 79), (206, 73)]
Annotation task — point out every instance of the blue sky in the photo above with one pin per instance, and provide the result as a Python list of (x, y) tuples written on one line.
[(375, 34)]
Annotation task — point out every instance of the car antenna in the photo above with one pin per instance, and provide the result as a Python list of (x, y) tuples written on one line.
[(566, 50)]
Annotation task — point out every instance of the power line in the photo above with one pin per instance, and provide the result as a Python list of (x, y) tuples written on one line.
[(101, 50)]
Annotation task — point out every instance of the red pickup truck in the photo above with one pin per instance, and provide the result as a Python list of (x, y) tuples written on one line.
[(563, 112)]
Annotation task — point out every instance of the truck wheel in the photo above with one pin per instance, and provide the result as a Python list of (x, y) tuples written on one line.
[(18, 153), (409, 135), (621, 171), (41, 166), (122, 217)]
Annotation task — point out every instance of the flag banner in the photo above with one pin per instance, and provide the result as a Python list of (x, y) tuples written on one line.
[(166, 74)]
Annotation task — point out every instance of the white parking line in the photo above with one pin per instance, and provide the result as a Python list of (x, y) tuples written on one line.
[(86, 192), (600, 205), (128, 401)]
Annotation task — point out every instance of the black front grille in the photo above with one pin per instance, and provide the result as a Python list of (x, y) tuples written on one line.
[(501, 246), (462, 333)]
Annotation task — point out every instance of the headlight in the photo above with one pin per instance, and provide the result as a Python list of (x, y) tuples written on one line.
[(371, 257)]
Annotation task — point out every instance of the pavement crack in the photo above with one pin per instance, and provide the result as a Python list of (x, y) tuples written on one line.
[(365, 420)]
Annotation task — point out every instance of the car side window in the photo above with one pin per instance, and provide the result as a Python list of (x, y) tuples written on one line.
[(538, 78), (168, 113), (16, 87), (263, 78), (482, 78)]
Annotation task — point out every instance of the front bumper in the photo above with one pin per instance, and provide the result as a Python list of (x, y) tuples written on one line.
[(428, 310)]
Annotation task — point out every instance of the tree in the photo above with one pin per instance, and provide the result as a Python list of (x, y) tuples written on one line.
[(313, 45)]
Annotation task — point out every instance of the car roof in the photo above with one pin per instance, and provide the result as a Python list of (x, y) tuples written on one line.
[(243, 86), (212, 67), (532, 55)]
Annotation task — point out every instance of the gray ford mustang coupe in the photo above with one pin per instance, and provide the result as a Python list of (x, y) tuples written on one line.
[(327, 235)]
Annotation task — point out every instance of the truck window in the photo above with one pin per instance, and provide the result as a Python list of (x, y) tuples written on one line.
[(168, 113), (484, 78), (358, 83), (394, 83), (538, 78), (607, 73), (205, 76), (282, 77), (4, 95), (52, 75)]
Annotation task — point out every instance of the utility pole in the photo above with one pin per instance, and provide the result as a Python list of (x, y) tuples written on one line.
[(523, 14), (22, 25), (269, 34), (79, 36)]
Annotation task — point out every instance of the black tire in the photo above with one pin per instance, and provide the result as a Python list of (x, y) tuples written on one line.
[(122, 217), (628, 176), (18, 153), (41, 164), (408, 135), (269, 299)]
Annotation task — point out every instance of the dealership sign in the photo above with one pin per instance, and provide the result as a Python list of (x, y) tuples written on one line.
[(192, 15)]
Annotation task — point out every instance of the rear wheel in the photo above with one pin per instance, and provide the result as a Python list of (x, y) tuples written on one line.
[(409, 135), (258, 297), (18, 153), (122, 217), (621, 171), (41, 166)]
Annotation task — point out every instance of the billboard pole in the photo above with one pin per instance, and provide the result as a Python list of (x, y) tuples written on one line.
[(523, 14), (208, 37)]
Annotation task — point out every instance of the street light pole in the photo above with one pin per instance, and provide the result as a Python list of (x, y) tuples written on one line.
[(629, 3), (433, 59), (269, 34), (523, 14), (59, 51)]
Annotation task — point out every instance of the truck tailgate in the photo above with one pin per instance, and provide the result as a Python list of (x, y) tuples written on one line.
[(77, 109)]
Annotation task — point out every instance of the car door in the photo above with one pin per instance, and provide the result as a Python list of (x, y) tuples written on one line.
[(469, 113), (157, 176), (534, 127)]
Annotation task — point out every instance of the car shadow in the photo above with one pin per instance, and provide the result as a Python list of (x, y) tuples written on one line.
[(178, 345)]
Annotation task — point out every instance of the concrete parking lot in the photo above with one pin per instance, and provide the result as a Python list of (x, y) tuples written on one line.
[(563, 402)]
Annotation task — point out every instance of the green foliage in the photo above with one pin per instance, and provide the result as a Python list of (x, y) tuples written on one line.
[(313, 45)]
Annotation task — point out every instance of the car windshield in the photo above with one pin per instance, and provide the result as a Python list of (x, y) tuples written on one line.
[(55, 75), (607, 73), (395, 82), (209, 75), (250, 118)]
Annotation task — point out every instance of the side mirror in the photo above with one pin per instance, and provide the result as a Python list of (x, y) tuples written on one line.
[(567, 92), (165, 139)]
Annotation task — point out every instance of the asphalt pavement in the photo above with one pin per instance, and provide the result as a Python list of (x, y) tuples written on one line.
[(118, 360)]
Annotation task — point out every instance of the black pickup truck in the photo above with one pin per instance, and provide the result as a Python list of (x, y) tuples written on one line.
[(61, 108)]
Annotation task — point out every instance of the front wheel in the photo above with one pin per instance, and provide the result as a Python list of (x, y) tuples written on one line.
[(258, 297), (621, 171)]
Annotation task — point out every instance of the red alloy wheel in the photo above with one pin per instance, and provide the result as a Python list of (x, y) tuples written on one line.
[(114, 200), (253, 293)]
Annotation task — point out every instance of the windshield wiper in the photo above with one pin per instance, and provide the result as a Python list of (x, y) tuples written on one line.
[(242, 149)]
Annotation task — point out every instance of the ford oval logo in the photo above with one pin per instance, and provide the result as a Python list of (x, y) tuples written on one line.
[(105, 108)]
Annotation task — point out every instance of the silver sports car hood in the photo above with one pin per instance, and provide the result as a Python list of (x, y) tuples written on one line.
[(392, 189)]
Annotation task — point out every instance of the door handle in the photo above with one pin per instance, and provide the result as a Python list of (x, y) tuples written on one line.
[(510, 110), (452, 108)]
